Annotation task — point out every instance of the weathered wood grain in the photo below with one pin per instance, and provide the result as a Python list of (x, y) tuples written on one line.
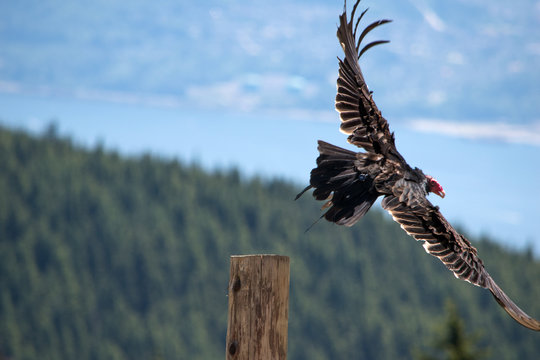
[(258, 308)]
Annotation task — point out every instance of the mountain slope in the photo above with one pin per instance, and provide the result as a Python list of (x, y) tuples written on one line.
[(106, 257)]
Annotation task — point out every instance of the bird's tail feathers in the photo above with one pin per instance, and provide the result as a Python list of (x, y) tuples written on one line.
[(338, 178)]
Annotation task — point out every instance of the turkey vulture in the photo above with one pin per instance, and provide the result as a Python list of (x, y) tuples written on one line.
[(351, 182)]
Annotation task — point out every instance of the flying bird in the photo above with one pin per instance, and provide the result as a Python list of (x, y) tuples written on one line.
[(350, 182)]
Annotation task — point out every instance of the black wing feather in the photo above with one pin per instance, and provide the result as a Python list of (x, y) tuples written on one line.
[(361, 119), (441, 240)]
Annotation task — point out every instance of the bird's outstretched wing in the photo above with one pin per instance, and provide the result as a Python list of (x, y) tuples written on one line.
[(360, 117), (423, 221)]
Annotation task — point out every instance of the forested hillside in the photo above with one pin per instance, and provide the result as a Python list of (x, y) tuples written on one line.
[(108, 257)]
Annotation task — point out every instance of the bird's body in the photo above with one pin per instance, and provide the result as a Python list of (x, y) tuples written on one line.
[(350, 182)]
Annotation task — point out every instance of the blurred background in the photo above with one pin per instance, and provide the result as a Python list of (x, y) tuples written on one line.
[(246, 88), (252, 85)]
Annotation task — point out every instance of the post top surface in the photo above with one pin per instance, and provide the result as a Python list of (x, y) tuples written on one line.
[(258, 255)]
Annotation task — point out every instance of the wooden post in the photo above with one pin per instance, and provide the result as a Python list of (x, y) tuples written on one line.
[(258, 308)]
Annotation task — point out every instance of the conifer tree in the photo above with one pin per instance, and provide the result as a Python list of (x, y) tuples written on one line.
[(453, 341)]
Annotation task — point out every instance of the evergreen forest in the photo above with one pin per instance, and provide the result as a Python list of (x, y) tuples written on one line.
[(105, 256)]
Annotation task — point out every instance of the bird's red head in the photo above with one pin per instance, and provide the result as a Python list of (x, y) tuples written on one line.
[(435, 187)]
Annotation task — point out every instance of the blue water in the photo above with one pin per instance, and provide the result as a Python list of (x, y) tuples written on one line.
[(492, 187)]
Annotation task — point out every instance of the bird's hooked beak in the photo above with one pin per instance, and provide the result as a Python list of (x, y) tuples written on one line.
[(435, 187), (441, 193)]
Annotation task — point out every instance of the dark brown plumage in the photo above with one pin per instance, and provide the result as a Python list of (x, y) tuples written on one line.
[(350, 182)]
